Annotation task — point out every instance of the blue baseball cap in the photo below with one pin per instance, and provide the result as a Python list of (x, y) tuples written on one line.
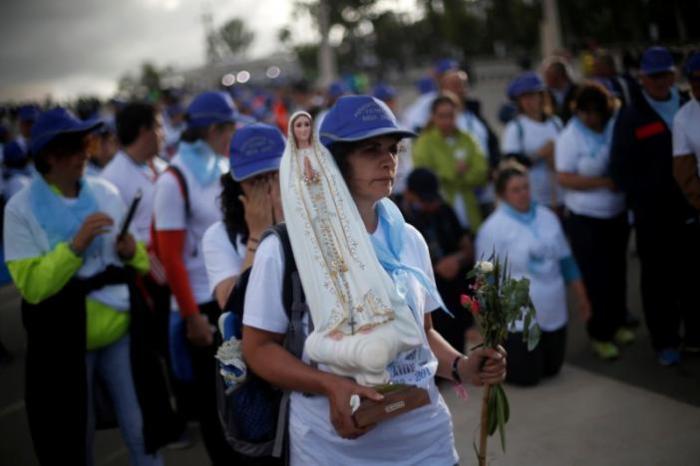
[(384, 92), (358, 117), (446, 64), (338, 88), (14, 154), (210, 108), (28, 112), (656, 60), (525, 83), (426, 84), (693, 64), (57, 121), (255, 149)]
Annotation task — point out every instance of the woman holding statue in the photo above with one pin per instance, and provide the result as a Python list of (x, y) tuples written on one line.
[(369, 285)]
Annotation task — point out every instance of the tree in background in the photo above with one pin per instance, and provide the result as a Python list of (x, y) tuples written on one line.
[(236, 37)]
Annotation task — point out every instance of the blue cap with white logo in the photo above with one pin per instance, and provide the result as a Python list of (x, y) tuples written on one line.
[(358, 117), (255, 149), (656, 60), (55, 122), (384, 92), (446, 64), (525, 83), (210, 108)]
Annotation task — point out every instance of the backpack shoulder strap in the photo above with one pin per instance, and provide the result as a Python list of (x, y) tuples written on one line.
[(521, 134), (182, 182)]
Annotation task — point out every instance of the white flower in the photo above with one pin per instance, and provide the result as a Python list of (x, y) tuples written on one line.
[(484, 266)]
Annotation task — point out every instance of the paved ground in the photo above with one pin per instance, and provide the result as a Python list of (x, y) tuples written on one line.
[(630, 412)]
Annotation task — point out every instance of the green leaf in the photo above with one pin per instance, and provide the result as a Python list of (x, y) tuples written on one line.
[(533, 337)]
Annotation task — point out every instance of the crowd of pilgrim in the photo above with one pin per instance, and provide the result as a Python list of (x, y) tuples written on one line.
[(578, 167)]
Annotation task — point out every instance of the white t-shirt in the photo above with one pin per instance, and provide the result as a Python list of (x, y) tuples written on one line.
[(686, 131), (534, 251), (220, 257), (526, 136), (576, 154), (25, 238), (15, 183), (420, 437), (169, 212), (129, 176)]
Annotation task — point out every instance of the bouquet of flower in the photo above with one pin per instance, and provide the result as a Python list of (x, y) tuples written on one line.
[(498, 301)]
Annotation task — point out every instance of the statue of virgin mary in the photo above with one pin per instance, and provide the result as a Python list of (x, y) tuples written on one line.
[(361, 323)]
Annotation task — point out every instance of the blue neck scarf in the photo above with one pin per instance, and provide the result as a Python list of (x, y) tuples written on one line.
[(59, 219), (389, 255), (666, 109), (526, 218), (201, 161), (594, 140)]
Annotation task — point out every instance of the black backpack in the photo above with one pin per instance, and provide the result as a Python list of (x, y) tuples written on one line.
[(254, 414)]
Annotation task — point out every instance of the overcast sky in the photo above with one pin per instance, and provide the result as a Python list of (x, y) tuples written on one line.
[(71, 47)]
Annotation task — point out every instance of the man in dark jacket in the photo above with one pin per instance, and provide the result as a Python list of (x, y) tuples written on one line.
[(666, 226), (560, 86), (450, 246)]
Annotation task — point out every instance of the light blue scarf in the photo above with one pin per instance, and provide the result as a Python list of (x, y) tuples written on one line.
[(61, 220), (389, 255), (594, 140), (526, 218), (201, 161), (666, 109)]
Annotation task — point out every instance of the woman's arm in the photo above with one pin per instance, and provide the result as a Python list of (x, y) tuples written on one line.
[(39, 278), (584, 183), (265, 355), (482, 366)]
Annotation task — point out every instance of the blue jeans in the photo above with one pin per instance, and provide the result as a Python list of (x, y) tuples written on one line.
[(113, 365)]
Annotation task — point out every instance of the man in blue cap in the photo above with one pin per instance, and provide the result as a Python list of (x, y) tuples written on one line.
[(26, 115), (666, 224), (686, 137), (185, 205)]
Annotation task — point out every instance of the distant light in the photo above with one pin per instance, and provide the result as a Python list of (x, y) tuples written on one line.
[(228, 80), (273, 72), (243, 77)]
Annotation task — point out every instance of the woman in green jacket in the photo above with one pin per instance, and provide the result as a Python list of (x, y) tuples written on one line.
[(455, 157)]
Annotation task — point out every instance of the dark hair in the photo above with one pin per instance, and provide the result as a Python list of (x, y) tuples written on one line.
[(131, 118), (594, 97), (340, 152), (62, 146), (506, 171), (232, 209), (444, 98), (191, 135)]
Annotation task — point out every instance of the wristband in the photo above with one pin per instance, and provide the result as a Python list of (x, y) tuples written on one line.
[(252, 249), (455, 365), (254, 240)]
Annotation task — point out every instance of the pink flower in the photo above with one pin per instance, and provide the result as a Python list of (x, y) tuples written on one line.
[(469, 303)]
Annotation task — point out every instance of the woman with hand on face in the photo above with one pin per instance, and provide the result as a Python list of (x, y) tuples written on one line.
[(250, 202), (185, 205), (531, 237), (596, 220), (530, 138), (69, 261), (367, 246), (455, 157)]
